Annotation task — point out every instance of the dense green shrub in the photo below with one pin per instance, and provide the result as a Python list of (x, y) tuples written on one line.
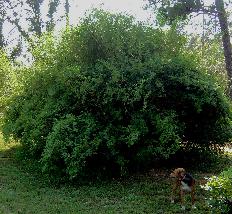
[(219, 192), (5, 76), (111, 94), (11, 81)]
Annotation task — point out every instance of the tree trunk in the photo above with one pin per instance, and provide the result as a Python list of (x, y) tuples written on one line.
[(67, 12), (35, 19), (2, 43), (225, 40), (51, 12)]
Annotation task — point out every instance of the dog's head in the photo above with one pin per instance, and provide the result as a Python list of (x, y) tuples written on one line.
[(178, 173)]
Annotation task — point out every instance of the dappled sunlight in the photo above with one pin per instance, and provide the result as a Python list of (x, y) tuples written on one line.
[(7, 149)]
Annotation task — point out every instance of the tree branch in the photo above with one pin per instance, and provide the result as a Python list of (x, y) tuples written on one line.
[(20, 29)]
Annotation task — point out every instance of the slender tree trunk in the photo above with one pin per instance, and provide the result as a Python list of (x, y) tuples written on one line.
[(53, 4), (2, 43), (225, 40), (36, 23), (35, 19), (67, 12), (2, 19)]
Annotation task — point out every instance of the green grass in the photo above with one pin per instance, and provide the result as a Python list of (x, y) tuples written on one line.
[(23, 192)]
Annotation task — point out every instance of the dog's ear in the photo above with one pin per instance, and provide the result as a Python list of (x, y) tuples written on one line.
[(173, 175)]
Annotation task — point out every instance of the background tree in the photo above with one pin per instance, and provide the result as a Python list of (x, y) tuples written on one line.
[(35, 18), (225, 40), (2, 17), (5, 7), (27, 16), (28, 22), (1, 33), (51, 12), (67, 7), (181, 9)]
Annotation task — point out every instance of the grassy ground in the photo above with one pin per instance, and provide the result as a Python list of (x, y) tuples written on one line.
[(22, 192)]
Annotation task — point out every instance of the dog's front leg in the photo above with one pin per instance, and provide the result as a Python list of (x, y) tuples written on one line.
[(182, 199), (175, 186), (193, 197)]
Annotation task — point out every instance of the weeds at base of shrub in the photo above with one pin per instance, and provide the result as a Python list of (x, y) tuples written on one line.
[(200, 160)]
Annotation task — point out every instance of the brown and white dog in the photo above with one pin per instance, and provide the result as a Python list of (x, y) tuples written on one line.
[(184, 183)]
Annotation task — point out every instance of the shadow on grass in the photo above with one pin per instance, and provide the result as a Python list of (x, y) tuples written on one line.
[(8, 151), (196, 160)]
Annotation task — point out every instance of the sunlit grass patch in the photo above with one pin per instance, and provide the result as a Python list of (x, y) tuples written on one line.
[(7, 149), (26, 192), (228, 150)]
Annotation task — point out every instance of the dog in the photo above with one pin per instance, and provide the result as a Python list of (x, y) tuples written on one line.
[(184, 183)]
